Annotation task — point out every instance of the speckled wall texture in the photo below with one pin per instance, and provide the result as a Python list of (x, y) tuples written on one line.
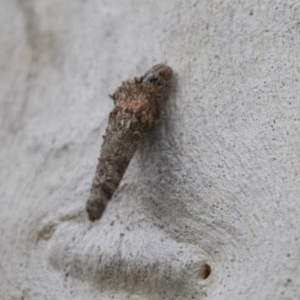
[(209, 207)]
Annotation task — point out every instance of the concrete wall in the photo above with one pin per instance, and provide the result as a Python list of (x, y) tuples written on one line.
[(209, 207)]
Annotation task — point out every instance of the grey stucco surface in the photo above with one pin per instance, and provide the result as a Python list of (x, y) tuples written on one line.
[(216, 182)]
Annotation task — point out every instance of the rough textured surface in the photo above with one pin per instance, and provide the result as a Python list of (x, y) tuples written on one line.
[(215, 184)]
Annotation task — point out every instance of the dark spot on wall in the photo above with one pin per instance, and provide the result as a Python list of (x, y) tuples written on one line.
[(204, 271)]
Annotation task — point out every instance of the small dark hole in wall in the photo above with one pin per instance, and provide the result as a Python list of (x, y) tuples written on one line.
[(204, 271)]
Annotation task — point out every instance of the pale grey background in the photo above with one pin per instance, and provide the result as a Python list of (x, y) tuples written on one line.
[(216, 182)]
